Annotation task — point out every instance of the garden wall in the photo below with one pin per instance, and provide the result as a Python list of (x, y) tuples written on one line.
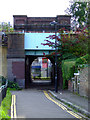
[(83, 86), (83, 89)]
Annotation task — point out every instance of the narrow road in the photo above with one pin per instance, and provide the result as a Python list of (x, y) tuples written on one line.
[(34, 103)]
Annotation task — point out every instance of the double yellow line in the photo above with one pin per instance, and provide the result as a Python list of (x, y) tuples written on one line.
[(61, 106), (13, 107)]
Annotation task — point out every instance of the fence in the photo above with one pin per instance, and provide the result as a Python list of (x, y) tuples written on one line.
[(3, 90)]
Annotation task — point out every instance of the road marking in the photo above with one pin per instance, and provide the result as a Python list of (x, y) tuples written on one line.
[(13, 107), (61, 106)]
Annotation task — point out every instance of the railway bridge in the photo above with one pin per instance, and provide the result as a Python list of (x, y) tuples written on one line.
[(23, 49)]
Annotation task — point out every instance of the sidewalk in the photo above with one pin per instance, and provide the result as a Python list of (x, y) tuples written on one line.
[(77, 102)]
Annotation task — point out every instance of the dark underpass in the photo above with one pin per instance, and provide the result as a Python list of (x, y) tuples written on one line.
[(38, 81)]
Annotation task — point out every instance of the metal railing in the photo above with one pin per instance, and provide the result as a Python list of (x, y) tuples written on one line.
[(3, 90)]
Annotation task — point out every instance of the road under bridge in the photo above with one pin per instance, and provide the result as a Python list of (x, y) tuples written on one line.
[(23, 49)]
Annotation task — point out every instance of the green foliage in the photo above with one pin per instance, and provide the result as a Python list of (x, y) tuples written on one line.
[(80, 62), (68, 68), (75, 45), (14, 85), (69, 45), (72, 65), (11, 84), (5, 106), (68, 56), (6, 27), (79, 11), (2, 80)]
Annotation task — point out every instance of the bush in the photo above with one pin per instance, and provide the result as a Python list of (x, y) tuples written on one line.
[(81, 61), (2, 80), (14, 85), (11, 84), (68, 68), (5, 106)]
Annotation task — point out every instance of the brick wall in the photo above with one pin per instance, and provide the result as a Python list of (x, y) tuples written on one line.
[(84, 89), (15, 45), (40, 24), (16, 69), (16, 58), (21, 19)]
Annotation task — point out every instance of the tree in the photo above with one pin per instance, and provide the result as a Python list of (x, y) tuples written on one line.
[(6, 27), (69, 44), (79, 12)]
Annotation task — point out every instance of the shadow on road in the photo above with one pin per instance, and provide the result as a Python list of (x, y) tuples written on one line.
[(42, 85)]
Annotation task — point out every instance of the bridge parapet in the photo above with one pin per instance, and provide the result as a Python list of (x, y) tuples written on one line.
[(15, 45)]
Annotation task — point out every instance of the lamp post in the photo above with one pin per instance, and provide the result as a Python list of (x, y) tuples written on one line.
[(55, 24)]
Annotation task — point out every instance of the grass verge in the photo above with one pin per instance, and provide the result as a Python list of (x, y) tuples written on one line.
[(5, 106)]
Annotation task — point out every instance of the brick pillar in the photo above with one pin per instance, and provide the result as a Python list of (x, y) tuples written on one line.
[(16, 58)]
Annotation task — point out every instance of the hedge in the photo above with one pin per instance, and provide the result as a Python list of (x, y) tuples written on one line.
[(70, 66)]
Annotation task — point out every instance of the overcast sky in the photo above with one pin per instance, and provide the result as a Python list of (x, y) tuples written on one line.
[(31, 8)]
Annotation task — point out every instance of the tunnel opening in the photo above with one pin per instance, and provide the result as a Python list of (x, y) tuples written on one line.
[(39, 72)]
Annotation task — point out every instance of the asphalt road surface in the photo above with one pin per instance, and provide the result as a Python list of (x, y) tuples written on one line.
[(33, 103)]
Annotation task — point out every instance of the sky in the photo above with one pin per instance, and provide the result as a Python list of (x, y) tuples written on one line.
[(31, 8)]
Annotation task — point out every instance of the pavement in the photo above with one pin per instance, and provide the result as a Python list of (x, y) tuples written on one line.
[(81, 104)]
